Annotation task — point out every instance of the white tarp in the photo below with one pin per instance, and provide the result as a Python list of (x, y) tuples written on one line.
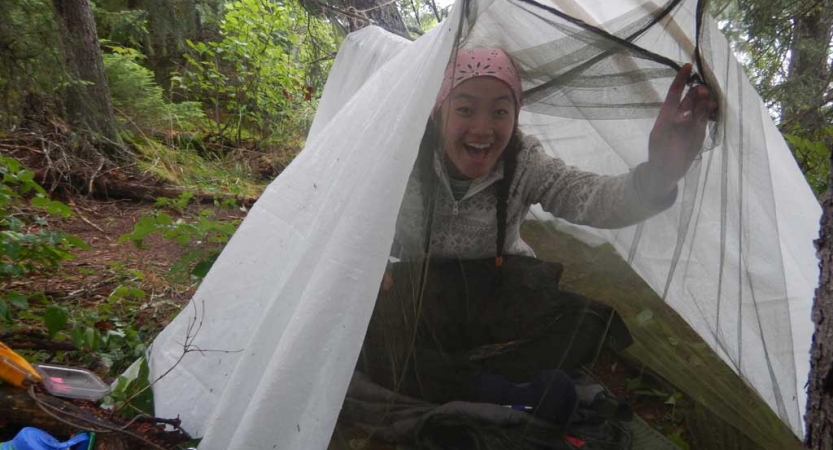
[(292, 293), (282, 314)]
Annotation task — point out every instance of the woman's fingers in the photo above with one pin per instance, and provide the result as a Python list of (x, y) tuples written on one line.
[(684, 110), (680, 129), (704, 104), (675, 93)]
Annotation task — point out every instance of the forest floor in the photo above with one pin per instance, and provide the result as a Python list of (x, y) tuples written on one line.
[(100, 269), (114, 286)]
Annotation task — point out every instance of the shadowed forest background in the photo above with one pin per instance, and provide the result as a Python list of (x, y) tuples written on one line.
[(134, 135)]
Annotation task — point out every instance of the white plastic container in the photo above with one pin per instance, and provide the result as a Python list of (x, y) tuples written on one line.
[(72, 383)]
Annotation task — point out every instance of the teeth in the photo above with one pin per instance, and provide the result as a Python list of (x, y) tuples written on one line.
[(479, 146)]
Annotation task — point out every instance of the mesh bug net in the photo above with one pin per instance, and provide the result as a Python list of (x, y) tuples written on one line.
[(263, 356)]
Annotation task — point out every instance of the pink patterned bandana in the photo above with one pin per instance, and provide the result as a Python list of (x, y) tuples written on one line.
[(481, 62)]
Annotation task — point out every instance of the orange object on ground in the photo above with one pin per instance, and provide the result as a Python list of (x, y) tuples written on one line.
[(16, 370)]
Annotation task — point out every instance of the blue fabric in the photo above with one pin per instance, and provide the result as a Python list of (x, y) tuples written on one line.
[(551, 394), (31, 438)]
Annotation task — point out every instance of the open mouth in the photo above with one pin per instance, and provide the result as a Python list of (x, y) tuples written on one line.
[(477, 151)]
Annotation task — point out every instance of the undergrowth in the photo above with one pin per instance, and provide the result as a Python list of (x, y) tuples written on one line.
[(178, 160), (24, 204), (108, 323)]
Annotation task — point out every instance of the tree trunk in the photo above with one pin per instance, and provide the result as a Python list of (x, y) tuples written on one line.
[(88, 99), (386, 16), (819, 418), (170, 23), (808, 74)]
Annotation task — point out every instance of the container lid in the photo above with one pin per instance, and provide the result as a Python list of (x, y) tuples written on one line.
[(72, 383)]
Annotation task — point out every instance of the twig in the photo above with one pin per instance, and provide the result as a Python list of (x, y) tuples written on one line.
[(95, 174), (191, 332), (324, 58), (117, 168), (21, 147), (376, 7), (435, 10), (416, 14), (81, 291), (49, 166), (347, 13), (81, 216), (144, 418)]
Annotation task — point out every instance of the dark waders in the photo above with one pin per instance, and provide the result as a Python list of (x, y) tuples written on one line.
[(473, 318)]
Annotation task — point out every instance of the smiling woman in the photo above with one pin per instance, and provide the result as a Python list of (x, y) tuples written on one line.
[(480, 114), (477, 174), (478, 119)]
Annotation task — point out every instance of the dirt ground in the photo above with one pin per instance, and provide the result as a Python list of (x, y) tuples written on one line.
[(92, 276), (95, 272)]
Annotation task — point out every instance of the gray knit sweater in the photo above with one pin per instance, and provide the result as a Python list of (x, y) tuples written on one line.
[(467, 229)]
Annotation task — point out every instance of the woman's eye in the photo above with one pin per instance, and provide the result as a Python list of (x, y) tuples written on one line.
[(464, 110), (501, 112)]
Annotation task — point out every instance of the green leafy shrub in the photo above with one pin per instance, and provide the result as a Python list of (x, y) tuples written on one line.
[(132, 395), (107, 333), (266, 65), (203, 236), (104, 332), (26, 246), (124, 27), (813, 156), (23, 248), (138, 100)]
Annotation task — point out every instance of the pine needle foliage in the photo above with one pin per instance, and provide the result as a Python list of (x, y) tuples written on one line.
[(139, 102)]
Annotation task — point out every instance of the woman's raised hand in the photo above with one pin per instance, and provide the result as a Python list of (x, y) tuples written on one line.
[(678, 134)]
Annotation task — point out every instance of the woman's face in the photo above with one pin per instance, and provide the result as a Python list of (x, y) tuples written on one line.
[(477, 121)]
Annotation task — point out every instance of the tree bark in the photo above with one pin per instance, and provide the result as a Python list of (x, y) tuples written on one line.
[(170, 23), (819, 417), (808, 74), (88, 99)]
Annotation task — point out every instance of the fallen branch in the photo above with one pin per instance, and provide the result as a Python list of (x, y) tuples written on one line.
[(41, 344), (113, 188), (103, 179)]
